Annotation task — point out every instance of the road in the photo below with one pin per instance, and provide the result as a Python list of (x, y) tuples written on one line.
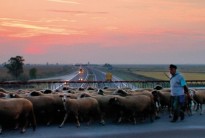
[(192, 127), (89, 73), (100, 76)]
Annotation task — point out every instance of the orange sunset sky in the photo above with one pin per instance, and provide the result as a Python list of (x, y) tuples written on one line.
[(103, 31)]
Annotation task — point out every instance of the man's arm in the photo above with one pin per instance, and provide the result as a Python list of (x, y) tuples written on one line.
[(184, 85), (186, 90)]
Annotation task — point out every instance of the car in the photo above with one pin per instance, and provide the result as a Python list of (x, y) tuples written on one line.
[(80, 70), (80, 79)]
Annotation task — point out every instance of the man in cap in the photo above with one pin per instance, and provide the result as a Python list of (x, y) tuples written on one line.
[(178, 89)]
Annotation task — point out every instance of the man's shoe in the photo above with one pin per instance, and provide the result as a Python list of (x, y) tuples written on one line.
[(173, 121), (182, 116)]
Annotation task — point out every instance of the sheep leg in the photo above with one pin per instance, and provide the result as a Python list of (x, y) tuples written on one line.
[(101, 114), (77, 121), (0, 129), (201, 109), (196, 106), (16, 126), (189, 108), (170, 112), (151, 117), (50, 118), (102, 120), (24, 126), (24, 123), (65, 118), (49, 121), (158, 106), (134, 119), (120, 117), (89, 121)]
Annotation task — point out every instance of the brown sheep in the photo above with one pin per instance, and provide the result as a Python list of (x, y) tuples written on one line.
[(82, 106), (17, 109), (103, 101), (35, 93), (87, 94), (43, 105), (91, 88), (106, 91), (78, 94), (3, 90), (164, 100), (135, 105), (50, 106), (121, 92), (3, 95), (149, 93), (47, 91), (199, 98), (138, 92)]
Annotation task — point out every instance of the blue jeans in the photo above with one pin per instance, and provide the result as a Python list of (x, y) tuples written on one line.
[(177, 104)]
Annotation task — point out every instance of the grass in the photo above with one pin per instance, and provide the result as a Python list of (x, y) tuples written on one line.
[(155, 75), (43, 71), (162, 76), (157, 72), (125, 72), (194, 76), (127, 75)]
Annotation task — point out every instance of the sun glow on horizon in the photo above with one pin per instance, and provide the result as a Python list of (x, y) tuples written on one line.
[(144, 29)]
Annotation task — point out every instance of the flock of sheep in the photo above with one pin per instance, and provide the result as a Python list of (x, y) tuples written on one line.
[(22, 108)]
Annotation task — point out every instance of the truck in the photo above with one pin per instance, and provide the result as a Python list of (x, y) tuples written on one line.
[(108, 76)]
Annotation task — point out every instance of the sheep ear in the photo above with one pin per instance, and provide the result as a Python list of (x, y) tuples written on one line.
[(154, 92)]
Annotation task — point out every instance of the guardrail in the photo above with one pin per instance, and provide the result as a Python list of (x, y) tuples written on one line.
[(52, 84)]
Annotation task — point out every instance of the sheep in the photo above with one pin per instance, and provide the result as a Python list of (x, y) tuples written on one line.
[(3, 95), (135, 105), (199, 98), (82, 106), (3, 90), (105, 91), (120, 92), (17, 109), (43, 105), (91, 89), (103, 101), (163, 98)]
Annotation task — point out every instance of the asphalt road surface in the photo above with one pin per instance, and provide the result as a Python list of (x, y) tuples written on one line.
[(192, 127)]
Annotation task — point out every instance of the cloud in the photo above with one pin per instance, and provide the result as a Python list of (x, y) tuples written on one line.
[(24, 28), (76, 12), (43, 20), (112, 28), (64, 1)]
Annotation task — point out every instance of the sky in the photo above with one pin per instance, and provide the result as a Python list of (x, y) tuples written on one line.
[(103, 31)]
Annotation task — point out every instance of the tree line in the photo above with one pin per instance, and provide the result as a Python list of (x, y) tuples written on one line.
[(15, 68)]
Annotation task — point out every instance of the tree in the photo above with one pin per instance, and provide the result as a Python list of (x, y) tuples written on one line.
[(108, 66), (15, 66), (32, 73)]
